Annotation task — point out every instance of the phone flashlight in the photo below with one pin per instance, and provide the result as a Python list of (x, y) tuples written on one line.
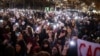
[(16, 24), (72, 43), (1, 21)]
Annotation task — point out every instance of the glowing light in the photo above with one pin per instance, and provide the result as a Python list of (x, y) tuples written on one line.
[(76, 18), (16, 24), (72, 43), (37, 29), (1, 21), (48, 23), (94, 11), (54, 26)]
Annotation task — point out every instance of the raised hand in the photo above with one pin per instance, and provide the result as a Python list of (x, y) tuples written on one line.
[(29, 45)]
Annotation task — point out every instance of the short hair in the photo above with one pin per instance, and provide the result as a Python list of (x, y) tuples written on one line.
[(43, 53)]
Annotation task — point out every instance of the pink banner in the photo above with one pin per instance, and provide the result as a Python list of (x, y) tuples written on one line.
[(86, 48)]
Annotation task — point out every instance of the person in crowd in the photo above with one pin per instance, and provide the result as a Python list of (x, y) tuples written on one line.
[(55, 51), (43, 53), (20, 46), (46, 46)]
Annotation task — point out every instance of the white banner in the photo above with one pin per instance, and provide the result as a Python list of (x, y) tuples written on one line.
[(86, 48)]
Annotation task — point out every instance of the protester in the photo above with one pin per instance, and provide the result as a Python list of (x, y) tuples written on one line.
[(43, 53)]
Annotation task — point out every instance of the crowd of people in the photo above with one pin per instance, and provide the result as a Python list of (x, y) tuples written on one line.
[(37, 33)]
